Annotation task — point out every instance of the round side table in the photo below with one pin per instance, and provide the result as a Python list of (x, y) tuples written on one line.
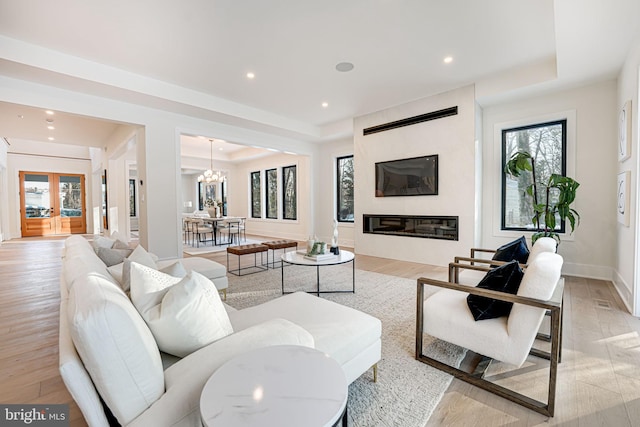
[(281, 385)]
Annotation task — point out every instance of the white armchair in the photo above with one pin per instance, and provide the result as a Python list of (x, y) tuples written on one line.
[(446, 315)]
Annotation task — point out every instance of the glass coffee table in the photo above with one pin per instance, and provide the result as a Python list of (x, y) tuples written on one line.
[(283, 385), (298, 258)]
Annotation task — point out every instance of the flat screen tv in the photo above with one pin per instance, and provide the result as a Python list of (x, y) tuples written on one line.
[(417, 176)]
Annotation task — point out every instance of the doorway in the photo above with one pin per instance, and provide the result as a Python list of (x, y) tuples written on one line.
[(52, 203)]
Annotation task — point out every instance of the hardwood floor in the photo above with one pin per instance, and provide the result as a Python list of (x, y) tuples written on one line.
[(598, 379)]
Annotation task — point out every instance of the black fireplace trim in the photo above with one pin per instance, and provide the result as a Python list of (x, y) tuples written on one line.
[(451, 111), (390, 231)]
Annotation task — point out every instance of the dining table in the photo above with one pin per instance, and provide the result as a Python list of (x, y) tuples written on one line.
[(215, 225)]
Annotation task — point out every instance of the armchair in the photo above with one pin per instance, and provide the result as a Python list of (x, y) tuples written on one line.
[(446, 315)]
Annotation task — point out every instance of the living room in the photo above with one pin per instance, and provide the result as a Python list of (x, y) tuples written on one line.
[(468, 145)]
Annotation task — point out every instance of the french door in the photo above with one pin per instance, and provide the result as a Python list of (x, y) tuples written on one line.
[(52, 203)]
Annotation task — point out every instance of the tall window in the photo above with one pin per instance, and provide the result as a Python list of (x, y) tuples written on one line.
[(547, 144), (271, 194), (256, 208), (344, 207), (132, 197), (224, 198), (289, 196)]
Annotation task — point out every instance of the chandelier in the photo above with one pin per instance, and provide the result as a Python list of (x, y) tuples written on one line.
[(210, 176)]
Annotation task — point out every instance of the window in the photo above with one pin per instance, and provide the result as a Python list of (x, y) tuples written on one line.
[(206, 195), (132, 197), (344, 205), (271, 193), (224, 198), (547, 143), (289, 199), (256, 208)]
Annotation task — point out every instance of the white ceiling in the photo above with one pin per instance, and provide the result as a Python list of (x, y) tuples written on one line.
[(193, 56)]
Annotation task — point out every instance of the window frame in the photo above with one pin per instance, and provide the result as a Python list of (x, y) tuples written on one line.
[(294, 168), (267, 181), (338, 192), (251, 191), (532, 124)]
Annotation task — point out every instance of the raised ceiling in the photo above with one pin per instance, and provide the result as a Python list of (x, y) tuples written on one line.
[(193, 56)]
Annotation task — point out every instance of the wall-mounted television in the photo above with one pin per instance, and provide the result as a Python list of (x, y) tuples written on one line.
[(417, 176)]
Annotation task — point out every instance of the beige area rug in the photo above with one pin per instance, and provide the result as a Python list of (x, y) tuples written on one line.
[(207, 248), (407, 391)]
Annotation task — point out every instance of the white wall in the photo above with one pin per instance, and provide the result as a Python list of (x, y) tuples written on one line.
[(239, 197), (453, 139), (4, 192), (326, 194), (627, 240), (592, 131)]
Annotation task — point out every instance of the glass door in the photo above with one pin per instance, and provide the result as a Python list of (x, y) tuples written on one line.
[(52, 204)]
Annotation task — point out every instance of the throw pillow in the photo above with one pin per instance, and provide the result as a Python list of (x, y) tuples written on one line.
[(517, 250), (505, 278), (139, 255), (184, 314), (119, 244), (176, 270), (113, 256), (102, 242)]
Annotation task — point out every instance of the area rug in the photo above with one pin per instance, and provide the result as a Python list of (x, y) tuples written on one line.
[(407, 391), (207, 248)]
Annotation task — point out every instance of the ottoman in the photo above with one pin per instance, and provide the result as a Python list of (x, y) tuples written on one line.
[(212, 270)]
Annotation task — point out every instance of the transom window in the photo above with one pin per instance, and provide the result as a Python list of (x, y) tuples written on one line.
[(547, 144)]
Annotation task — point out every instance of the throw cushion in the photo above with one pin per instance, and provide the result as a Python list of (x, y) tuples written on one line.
[(183, 314), (176, 270), (517, 250), (112, 256), (505, 278), (141, 256)]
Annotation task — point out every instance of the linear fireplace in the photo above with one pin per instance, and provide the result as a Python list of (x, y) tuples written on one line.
[(430, 227)]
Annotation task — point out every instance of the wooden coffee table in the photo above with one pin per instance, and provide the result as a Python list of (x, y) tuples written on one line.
[(284, 385), (298, 258)]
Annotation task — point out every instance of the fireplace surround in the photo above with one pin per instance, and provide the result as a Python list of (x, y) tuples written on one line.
[(429, 227)]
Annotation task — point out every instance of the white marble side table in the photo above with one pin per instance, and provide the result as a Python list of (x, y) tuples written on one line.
[(281, 386)]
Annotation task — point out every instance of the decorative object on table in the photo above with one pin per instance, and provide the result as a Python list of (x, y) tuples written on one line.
[(624, 188), (334, 241), (310, 242), (318, 248), (624, 132), (558, 193)]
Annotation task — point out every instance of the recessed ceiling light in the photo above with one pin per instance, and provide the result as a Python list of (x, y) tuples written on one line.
[(344, 67), (49, 112), (20, 116), (50, 127), (273, 149), (250, 75), (221, 149), (325, 104), (290, 152), (51, 138), (448, 59)]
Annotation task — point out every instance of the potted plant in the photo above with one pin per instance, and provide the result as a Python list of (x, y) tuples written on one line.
[(551, 199)]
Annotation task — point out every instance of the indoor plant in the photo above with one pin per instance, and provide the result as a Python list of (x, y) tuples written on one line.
[(551, 199)]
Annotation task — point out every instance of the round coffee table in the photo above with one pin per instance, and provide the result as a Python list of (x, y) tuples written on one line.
[(283, 385), (298, 258)]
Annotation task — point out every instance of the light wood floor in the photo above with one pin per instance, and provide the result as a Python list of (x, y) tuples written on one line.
[(598, 379)]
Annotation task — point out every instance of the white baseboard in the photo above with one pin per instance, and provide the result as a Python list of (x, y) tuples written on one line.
[(624, 290), (599, 272)]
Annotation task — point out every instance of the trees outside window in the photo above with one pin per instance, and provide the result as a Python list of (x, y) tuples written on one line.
[(256, 207), (547, 144), (271, 194), (344, 205), (289, 195)]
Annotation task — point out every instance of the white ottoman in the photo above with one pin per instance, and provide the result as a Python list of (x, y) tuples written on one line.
[(212, 270)]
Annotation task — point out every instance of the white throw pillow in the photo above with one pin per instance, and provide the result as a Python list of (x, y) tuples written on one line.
[(183, 314), (176, 270), (139, 255)]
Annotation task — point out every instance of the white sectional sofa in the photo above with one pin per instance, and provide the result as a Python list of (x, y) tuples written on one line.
[(108, 353)]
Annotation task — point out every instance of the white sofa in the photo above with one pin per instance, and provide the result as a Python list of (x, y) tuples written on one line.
[(107, 352)]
